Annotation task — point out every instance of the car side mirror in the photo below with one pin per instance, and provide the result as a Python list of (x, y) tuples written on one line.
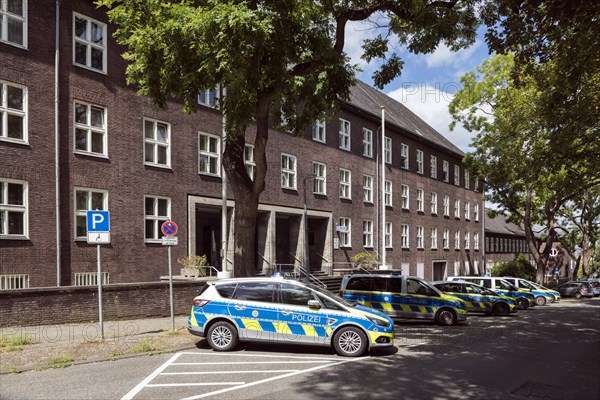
[(314, 304)]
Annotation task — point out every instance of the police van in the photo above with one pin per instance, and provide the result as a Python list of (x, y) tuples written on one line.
[(401, 296), (477, 298), (523, 298), (285, 311), (542, 294)]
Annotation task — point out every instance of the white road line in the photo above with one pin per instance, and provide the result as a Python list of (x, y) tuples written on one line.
[(153, 375), (229, 372), (258, 355), (275, 378), (253, 362), (196, 384)]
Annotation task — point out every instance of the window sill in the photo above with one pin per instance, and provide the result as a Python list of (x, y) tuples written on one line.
[(14, 237), (17, 45), (161, 166), (15, 141), (89, 154), (102, 72)]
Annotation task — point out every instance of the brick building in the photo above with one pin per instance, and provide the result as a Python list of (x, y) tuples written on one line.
[(81, 139)]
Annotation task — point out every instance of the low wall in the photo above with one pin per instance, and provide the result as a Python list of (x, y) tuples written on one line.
[(70, 304)]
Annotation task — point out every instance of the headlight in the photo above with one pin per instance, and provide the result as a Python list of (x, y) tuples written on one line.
[(378, 322)]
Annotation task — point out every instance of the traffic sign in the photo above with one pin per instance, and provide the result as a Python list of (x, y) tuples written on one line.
[(98, 237), (98, 221), (169, 240), (169, 228)]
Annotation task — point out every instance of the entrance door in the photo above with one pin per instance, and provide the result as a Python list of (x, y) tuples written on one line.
[(439, 270)]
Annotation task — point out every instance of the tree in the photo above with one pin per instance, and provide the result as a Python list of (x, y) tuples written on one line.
[(520, 267), (278, 60)]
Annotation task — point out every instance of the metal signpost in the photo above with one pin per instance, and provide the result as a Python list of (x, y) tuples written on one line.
[(98, 232), (169, 230)]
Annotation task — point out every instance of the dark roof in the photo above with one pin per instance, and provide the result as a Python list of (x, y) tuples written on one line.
[(371, 100), (501, 226)]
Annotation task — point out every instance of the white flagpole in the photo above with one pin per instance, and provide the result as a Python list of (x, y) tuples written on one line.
[(383, 261)]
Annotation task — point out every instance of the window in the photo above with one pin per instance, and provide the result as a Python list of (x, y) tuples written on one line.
[(446, 239), (319, 181), (476, 184), (388, 150), (404, 236), (457, 208), (89, 43), (157, 141), (209, 97), (90, 129), (433, 238), (345, 182), (446, 171), (387, 193), (90, 278), (344, 134), (319, 131), (434, 205), (467, 179), (433, 167), (420, 200), (476, 212), (13, 112), (467, 210), (476, 241), (157, 210), (420, 237), (457, 240), (367, 142), (457, 175), (414, 286), (420, 162), (255, 292), (13, 209), (345, 226), (288, 171), (388, 234), (446, 205), (209, 154), (13, 22), (368, 188), (367, 233), (467, 240), (14, 281), (295, 295), (249, 160), (404, 156), (405, 197), (87, 199)]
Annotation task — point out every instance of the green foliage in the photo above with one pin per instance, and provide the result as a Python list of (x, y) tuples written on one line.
[(193, 261), (145, 346), (14, 342), (364, 260), (61, 361), (520, 267)]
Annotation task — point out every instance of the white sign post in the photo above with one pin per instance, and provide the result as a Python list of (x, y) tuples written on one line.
[(169, 229), (98, 232)]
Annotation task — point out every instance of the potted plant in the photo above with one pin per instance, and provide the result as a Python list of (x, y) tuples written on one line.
[(193, 265), (364, 260)]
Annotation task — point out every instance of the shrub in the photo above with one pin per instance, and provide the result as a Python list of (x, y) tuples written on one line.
[(364, 260), (520, 267)]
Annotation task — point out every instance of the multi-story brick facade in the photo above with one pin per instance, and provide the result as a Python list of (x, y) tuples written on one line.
[(115, 151)]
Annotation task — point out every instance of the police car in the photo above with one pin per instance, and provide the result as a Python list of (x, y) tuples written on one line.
[(402, 296), (285, 311), (542, 294), (478, 298), (523, 298)]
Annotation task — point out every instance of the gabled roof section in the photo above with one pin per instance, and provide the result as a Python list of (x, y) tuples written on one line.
[(371, 100), (499, 225)]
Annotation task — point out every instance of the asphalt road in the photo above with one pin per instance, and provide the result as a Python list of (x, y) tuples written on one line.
[(549, 352)]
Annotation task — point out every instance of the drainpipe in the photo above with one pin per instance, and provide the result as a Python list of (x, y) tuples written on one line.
[(383, 260), (56, 142)]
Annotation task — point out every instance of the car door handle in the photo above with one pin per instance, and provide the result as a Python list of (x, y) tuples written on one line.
[(240, 307), (286, 312)]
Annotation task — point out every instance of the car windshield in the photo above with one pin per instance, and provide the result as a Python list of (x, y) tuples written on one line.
[(332, 296), (537, 286), (502, 284), (527, 285)]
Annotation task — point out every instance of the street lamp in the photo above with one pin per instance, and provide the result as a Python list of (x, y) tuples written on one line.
[(306, 257)]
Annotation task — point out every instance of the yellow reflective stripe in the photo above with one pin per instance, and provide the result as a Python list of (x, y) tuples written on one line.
[(309, 330), (367, 304), (374, 335), (469, 304), (423, 308), (193, 320), (482, 305), (282, 327), (328, 330), (406, 308), (251, 324), (387, 306)]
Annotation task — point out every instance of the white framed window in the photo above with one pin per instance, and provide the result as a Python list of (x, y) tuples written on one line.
[(319, 131), (446, 239), (249, 160), (388, 235), (13, 112), (157, 210), (14, 209), (344, 134), (404, 236), (14, 281), (387, 193), (476, 212), (157, 143), (89, 43), (467, 179), (90, 278), (467, 240), (87, 199), (90, 129), (388, 150), (209, 154), (420, 238), (420, 167), (209, 97), (476, 184), (345, 183), (434, 203), (420, 200), (457, 240), (457, 175), (13, 22), (320, 179), (368, 188), (434, 239), (345, 232), (433, 167), (288, 171), (467, 210), (405, 197), (476, 241), (404, 156), (367, 233), (446, 170), (457, 208), (367, 143), (446, 205)]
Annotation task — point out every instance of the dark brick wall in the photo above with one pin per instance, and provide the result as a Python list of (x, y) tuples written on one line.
[(48, 306)]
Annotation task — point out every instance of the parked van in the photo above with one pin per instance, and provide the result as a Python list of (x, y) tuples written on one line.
[(402, 296), (542, 296), (523, 298)]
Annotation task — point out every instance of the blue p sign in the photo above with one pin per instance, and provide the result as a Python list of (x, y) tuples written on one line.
[(98, 221)]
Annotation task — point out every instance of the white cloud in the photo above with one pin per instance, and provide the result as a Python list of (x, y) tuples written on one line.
[(444, 57)]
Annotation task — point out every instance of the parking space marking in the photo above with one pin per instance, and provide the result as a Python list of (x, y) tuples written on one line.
[(229, 372), (149, 378), (251, 362)]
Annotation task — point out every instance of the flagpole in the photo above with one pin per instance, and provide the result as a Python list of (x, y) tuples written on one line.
[(383, 261)]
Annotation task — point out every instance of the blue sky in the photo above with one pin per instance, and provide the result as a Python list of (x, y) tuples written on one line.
[(427, 82)]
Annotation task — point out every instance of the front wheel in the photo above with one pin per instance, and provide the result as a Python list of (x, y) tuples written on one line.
[(350, 342), (577, 295), (540, 300), (501, 309), (222, 336), (446, 317), (522, 304)]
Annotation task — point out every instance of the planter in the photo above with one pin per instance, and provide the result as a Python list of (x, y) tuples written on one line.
[(191, 272)]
